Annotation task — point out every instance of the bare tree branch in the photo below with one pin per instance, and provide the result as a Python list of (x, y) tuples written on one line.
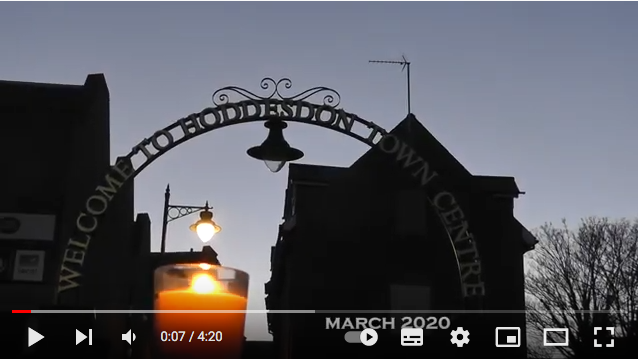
[(583, 278)]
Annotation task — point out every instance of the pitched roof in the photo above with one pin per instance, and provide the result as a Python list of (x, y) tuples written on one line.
[(416, 135), (19, 93), (497, 185), (413, 133)]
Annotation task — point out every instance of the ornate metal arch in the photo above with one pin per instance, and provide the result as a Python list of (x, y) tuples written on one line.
[(226, 111)]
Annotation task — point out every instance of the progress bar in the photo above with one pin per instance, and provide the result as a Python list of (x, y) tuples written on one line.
[(313, 311), (100, 311)]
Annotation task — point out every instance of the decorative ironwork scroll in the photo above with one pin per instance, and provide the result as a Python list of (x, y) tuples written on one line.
[(177, 212), (275, 90)]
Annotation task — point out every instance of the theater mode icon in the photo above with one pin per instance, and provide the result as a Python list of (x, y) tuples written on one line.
[(550, 334)]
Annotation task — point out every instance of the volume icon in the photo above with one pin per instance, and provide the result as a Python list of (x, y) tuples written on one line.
[(129, 337)]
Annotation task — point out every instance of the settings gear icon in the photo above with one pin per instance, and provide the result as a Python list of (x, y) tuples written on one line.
[(460, 332)]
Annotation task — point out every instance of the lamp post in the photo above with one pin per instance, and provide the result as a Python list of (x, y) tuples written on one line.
[(205, 227)]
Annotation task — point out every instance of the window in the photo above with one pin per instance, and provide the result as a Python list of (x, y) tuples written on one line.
[(409, 297), (293, 200), (410, 213)]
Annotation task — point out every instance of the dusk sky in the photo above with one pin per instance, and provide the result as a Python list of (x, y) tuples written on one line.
[(544, 92)]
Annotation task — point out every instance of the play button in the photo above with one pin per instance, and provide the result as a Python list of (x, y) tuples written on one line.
[(33, 337), (369, 337)]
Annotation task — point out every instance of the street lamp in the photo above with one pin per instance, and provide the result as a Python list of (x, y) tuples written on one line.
[(275, 151), (205, 227), (198, 283)]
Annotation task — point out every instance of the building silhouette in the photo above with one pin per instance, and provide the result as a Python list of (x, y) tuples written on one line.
[(365, 237)]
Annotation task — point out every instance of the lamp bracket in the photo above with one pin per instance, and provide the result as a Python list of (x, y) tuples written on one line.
[(273, 90), (177, 212)]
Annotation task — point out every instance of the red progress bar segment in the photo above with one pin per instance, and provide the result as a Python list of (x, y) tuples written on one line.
[(21, 311)]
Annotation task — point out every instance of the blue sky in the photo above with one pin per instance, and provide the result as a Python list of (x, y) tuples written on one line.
[(544, 92)]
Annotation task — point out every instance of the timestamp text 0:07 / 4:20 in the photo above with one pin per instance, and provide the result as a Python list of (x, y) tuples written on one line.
[(180, 335)]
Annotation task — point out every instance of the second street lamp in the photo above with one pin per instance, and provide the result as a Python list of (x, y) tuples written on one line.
[(205, 227)]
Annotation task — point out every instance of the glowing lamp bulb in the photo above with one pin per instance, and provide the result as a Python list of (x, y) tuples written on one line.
[(203, 284), (205, 227), (205, 231)]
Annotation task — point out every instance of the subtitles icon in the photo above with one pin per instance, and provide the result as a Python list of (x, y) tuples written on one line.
[(561, 333), (411, 337), (508, 337)]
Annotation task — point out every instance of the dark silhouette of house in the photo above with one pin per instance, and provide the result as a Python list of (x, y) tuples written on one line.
[(365, 238)]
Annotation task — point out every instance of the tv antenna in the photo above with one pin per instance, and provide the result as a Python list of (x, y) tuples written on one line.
[(406, 66)]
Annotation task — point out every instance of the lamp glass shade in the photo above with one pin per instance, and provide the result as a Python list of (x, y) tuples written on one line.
[(275, 166), (205, 231)]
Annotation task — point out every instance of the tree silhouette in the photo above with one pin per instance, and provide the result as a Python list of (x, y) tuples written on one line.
[(581, 279)]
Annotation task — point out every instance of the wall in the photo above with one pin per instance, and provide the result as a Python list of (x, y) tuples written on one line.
[(55, 145), (502, 258), (369, 239), (41, 128)]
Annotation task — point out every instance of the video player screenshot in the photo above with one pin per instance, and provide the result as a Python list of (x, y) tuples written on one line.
[(406, 180)]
